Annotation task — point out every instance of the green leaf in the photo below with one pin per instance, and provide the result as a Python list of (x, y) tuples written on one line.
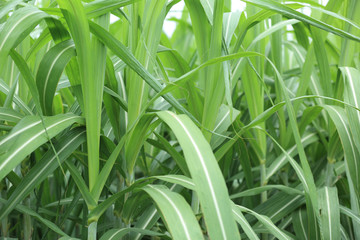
[(92, 75), (231, 20), (47, 223), (300, 224), (214, 89), (178, 179), (96, 213), (120, 233), (10, 115), (280, 161), (329, 213), (145, 47), (17, 100), (258, 190), (348, 212), (5, 9), (47, 165), (19, 25), (179, 159), (83, 188), (28, 135), (352, 82), (188, 183), (148, 219), (206, 174), (100, 7), (28, 76), (266, 221), (291, 13), (105, 171), (224, 120), (137, 137), (50, 70), (178, 216), (239, 217), (123, 53), (351, 154)]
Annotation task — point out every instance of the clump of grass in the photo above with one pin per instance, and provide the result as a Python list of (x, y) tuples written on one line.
[(240, 125)]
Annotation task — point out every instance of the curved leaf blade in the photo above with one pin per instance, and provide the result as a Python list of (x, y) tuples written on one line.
[(7, 114), (351, 154), (329, 213), (49, 72), (114, 234), (19, 25), (177, 213), (289, 12), (266, 221), (43, 168), (28, 135), (206, 174)]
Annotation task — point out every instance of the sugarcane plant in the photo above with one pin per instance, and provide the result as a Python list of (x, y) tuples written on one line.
[(238, 125)]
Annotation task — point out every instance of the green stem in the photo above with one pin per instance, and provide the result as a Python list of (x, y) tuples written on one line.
[(92, 231), (263, 179)]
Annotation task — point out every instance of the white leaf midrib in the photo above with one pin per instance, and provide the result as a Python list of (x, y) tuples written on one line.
[(30, 140), (178, 212), (15, 25), (207, 175), (50, 70), (45, 167)]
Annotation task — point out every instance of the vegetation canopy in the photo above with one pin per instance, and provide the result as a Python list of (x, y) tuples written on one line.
[(238, 124)]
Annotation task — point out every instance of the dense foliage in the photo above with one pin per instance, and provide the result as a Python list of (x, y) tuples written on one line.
[(241, 124)]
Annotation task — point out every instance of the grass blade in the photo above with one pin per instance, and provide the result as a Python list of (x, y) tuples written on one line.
[(43, 168), (28, 135), (50, 71), (16, 29), (177, 213), (210, 186), (291, 13), (329, 213)]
